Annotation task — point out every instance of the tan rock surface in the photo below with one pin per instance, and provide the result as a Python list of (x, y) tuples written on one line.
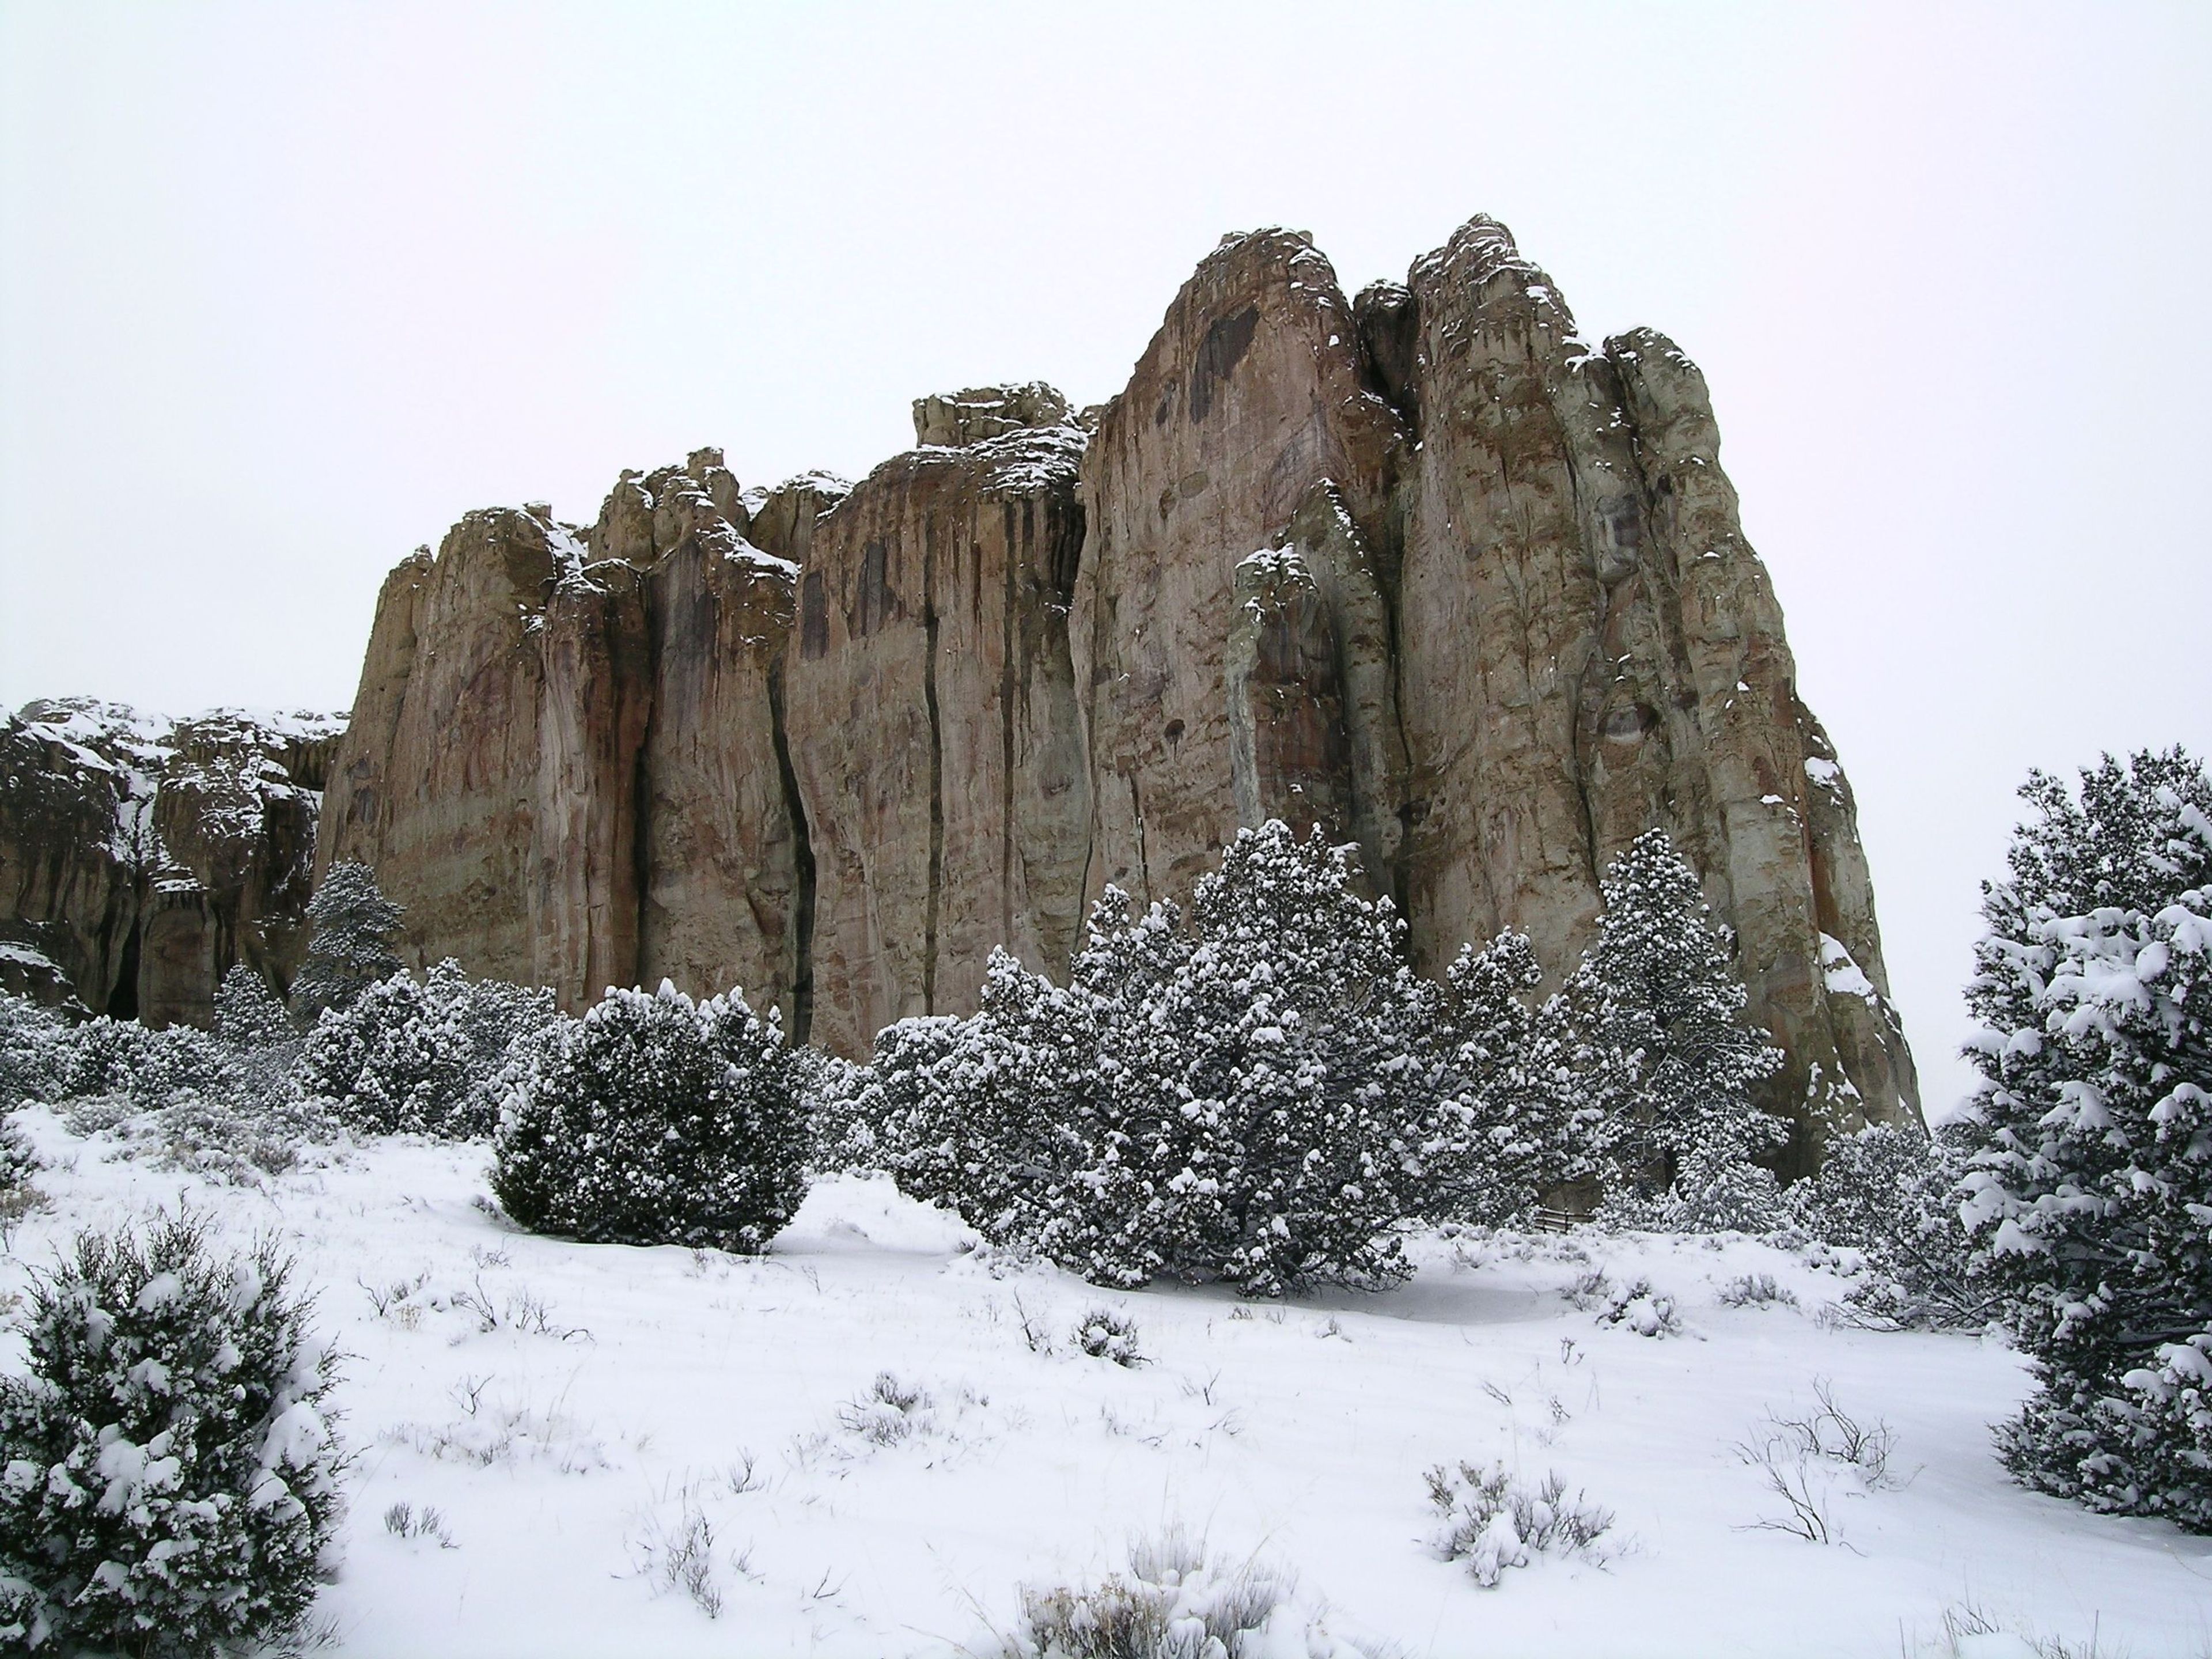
[(933, 728), (1251, 394)]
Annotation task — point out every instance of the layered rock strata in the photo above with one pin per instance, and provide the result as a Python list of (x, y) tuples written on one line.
[(141, 857), (1424, 567)]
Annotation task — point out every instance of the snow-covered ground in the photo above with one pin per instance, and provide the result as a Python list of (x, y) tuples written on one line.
[(573, 1411)]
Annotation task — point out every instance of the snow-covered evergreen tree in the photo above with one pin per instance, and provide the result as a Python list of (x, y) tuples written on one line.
[(655, 1120), (423, 1057), (33, 1041), (1667, 1064), (349, 944), (247, 1013), (1890, 1191), (2089, 1193), (1509, 1063), (1259, 1096), (170, 1481)]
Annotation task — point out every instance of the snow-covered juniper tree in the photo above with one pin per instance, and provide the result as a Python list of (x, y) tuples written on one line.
[(2089, 1198), (655, 1120), (349, 946), (1259, 1095), (170, 1483), (33, 1044), (1509, 1065), (423, 1057), (1666, 1061), (247, 1013), (1889, 1191)]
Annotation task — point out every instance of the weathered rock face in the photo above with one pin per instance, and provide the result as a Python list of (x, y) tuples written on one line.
[(141, 857), (933, 728), (565, 764), (1250, 403), (1425, 568), (1590, 647)]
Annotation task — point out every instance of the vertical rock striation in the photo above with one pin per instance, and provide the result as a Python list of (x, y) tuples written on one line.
[(932, 721)]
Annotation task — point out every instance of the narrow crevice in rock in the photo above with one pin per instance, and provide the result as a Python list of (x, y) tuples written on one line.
[(802, 859), (123, 1000), (1010, 648), (929, 627)]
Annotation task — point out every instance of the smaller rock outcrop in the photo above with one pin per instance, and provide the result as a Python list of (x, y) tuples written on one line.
[(141, 857), (955, 420)]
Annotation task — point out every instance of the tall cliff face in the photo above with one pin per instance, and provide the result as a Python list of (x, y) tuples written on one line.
[(1248, 423), (141, 857), (1590, 647), (932, 721), (1423, 567)]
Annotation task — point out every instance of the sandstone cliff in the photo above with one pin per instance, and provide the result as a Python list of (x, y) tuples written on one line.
[(141, 857), (1425, 567)]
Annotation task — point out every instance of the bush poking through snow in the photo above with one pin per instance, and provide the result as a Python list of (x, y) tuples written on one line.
[(1105, 1335), (1172, 1604), (171, 1480), (887, 1412), (681, 1557), (1756, 1291), (655, 1120), (406, 1521), (1799, 1456), (1492, 1520), (1635, 1304)]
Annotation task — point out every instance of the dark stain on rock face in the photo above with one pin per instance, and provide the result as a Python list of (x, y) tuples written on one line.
[(1218, 353), (813, 617), (875, 604)]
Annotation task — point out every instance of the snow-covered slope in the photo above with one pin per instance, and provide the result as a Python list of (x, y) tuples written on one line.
[(572, 1411)]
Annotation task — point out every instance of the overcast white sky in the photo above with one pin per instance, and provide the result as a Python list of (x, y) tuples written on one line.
[(284, 289)]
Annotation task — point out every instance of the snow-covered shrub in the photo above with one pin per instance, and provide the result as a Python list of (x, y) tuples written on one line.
[(1174, 1603), (425, 1057), (171, 1476), (1259, 1096), (655, 1120), (1637, 1307), (1712, 1192), (888, 1410), (33, 1040), (1493, 1520), (1105, 1335), (827, 1087), (19, 1195), (1508, 1081), (1665, 1063), (1756, 1291), (2089, 1187), (121, 1057), (1891, 1193), (247, 1013), (349, 944)]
